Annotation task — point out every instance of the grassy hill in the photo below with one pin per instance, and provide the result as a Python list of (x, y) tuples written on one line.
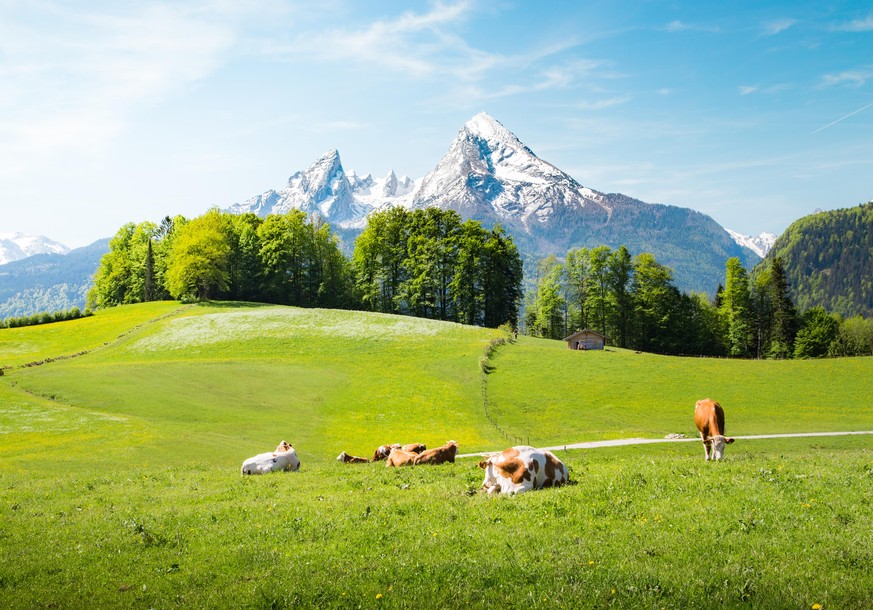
[(120, 485)]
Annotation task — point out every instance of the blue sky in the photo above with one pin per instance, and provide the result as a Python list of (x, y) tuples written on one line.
[(755, 113)]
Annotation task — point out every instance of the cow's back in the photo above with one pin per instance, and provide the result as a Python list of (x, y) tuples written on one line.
[(709, 417)]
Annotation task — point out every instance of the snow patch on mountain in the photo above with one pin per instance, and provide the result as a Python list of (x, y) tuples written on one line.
[(760, 245), (16, 246)]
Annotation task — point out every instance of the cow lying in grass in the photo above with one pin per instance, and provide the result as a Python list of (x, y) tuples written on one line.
[(351, 459), (399, 457), (709, 419), (283, 458), (523, 468), (440, 455), (384, 451)]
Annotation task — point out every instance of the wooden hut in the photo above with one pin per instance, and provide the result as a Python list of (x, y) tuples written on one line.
[(586, 339)]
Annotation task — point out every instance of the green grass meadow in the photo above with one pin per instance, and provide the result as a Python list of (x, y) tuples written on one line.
[(120, 484)]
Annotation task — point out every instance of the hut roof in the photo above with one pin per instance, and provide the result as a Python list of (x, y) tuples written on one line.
[(584, 331)]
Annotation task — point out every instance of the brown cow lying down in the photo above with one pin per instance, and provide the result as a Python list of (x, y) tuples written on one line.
[(351, 459), (384, 451), (399, 457), (709, 419), (440, 455)]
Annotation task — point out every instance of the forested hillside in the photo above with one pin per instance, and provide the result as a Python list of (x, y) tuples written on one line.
[(828, 260)]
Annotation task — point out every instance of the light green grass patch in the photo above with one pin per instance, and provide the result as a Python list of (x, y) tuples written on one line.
[(541, 390)]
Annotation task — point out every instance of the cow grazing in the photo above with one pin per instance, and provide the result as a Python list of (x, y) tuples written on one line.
[(283, 458), (414, 447), (521, 469), (439, 455), (351, 459), (399, 457), (709, 419), (384, 451)]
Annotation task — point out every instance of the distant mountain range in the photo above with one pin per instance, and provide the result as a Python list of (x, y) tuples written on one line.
[(49, 282), (489, 175), (828, 260), (16, 246)]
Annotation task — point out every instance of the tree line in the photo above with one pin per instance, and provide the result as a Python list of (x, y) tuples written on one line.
[(425, 263), (634, 302), (46, 317)]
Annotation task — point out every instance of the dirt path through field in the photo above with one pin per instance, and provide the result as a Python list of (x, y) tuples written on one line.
[(644, 441)]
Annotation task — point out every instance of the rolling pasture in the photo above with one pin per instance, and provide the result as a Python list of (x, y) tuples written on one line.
[(120, 484)]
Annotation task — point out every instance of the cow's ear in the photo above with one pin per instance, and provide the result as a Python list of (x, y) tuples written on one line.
[(728, 440), (483, 464)]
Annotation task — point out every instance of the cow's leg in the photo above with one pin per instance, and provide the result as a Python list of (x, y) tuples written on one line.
[(706, 446)]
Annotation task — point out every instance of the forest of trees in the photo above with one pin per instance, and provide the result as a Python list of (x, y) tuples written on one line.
[(828, 257), (428, 263), (634, 302), (425, 263)]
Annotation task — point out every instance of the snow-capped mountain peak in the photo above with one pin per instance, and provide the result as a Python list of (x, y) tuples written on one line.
[(760, 245), (16, 246), (488, 170), (326, 190)]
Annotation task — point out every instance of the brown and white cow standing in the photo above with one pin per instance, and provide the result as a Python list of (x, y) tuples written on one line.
[(439, 455), (709, 419), (522, 468)]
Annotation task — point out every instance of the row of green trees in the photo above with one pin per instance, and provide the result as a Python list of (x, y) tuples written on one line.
[(281, 259), (425, 263), (634, 301), (45, 318)]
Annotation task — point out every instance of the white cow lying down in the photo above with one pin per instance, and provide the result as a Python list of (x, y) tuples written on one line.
[(283, 458), (522, 468)]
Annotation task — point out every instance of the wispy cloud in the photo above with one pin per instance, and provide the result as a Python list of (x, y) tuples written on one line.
[(856, 25), (681, 26), (769, 89), (604, 103), (417, 44), (771, 28), (853, 78)]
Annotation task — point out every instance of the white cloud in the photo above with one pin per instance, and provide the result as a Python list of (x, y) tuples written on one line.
[(853, 78), (681, 26), (604, 103), (417, 44), (772, 28), (771, 89), (856, 25)]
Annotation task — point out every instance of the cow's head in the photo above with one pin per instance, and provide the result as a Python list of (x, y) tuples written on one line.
[(718, 443), (283, 447), (490, 484)]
